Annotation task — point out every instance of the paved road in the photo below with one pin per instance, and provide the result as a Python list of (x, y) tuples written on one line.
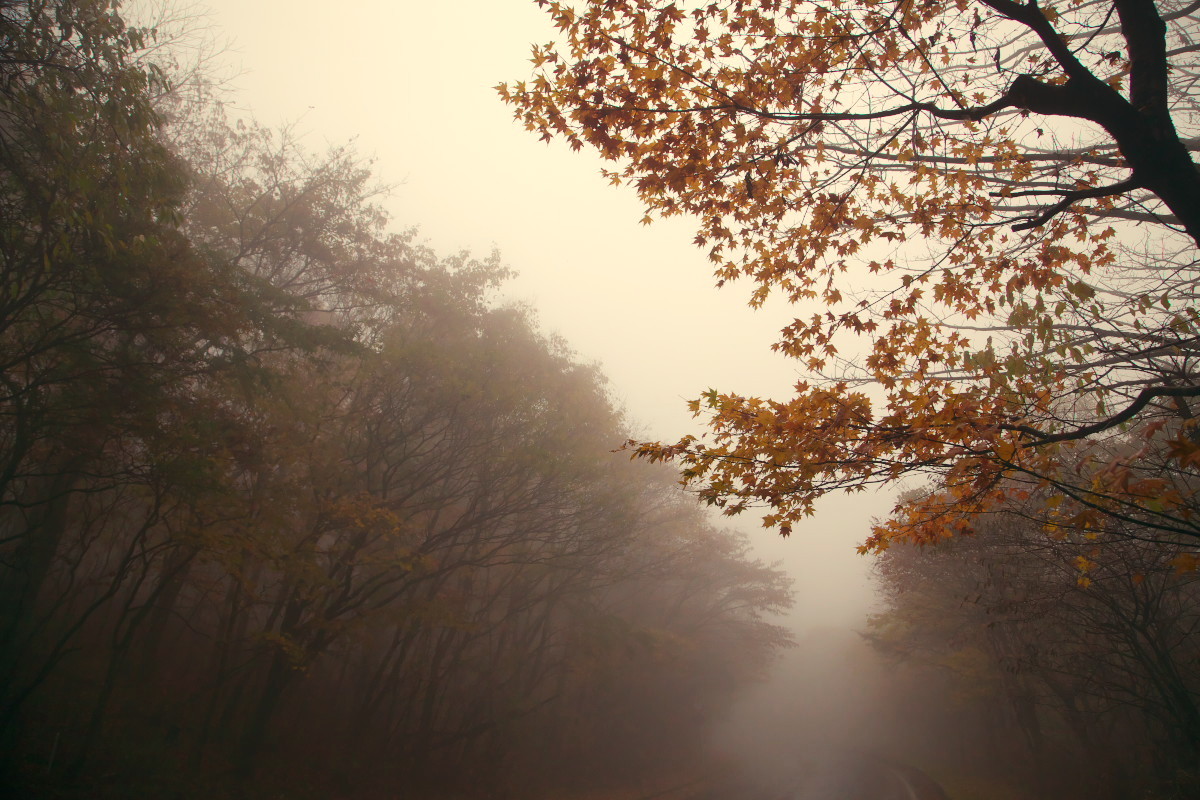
[(834, 776), (856, 776)]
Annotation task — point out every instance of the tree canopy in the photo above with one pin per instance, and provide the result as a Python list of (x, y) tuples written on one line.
[(991, 205)]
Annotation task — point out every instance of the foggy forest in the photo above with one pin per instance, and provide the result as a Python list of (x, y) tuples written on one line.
[(300, 500)]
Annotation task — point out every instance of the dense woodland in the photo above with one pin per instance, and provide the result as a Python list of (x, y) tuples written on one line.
[(1034, 666), (288, 501)]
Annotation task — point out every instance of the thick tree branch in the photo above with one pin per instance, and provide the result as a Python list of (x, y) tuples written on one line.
[(1069, 198), (1031, 16), (1146, 39), (1129, 412)]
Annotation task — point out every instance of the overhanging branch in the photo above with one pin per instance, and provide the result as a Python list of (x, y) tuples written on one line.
[(1129, 412), (1068, 199)]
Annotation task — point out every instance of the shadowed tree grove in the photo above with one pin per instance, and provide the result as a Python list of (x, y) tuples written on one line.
[(289, 503), (1064, 665)]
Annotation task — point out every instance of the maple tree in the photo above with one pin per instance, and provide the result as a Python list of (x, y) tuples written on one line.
[(998, 197)]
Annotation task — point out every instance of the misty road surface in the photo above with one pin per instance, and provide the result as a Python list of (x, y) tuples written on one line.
[(862, 777), (835, 776)]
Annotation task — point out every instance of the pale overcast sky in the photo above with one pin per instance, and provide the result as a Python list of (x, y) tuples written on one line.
[(411, 82)]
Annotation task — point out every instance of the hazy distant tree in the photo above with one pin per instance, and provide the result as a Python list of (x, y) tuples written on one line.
[(1090, 640)]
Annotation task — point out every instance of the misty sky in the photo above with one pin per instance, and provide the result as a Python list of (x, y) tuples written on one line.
[(411, 83)]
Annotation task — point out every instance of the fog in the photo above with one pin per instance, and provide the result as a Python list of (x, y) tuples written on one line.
[(322, 492), (412, 84)]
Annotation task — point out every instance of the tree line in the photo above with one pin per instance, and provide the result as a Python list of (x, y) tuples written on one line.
[(1055, 666), (286, 499)]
